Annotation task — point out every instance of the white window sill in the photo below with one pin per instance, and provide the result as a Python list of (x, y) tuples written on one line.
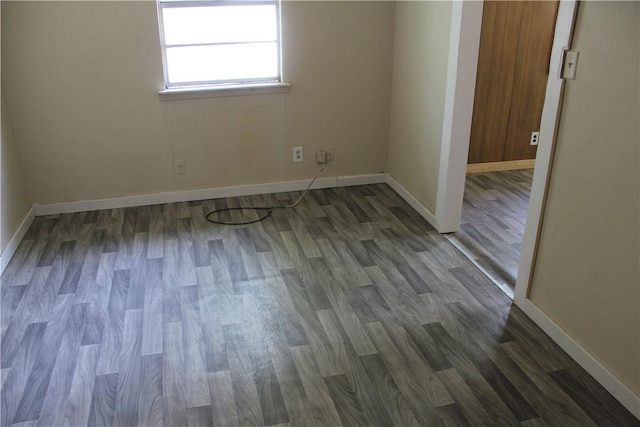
[(215, 92)]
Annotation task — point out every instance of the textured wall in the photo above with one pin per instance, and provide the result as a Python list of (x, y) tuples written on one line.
[(81, 80), (587, 276), (420, 59), (15, 201)]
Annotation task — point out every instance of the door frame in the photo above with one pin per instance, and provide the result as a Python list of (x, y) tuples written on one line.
[(463, 57)]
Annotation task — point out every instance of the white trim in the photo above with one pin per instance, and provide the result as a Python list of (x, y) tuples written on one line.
[(205, 194), (578, 353), (348, 181), (550, 112), (464, 42), (11, 248), (199, 92), (234, 191), (415, 203), (211, 91)]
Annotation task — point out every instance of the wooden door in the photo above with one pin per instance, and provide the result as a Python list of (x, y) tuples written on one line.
[(515, 44)]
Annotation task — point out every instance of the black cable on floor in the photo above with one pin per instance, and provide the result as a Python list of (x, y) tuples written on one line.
[(270, 209)]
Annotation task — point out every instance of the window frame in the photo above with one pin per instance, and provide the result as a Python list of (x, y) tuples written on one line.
[(244, 85)]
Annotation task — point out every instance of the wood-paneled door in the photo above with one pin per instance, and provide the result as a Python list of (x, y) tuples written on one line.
[(513, 62)]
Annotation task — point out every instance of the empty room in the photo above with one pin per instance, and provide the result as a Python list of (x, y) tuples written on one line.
[(225, 213)]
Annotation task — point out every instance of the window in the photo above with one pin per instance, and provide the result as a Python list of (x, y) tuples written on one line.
[(219, 43)]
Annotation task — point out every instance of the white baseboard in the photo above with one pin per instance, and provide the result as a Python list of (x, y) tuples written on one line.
[(204, 194), (578, 353), (415, 203), (11, 248)]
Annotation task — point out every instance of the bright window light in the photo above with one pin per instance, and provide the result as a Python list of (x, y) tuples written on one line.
[(219, 42)]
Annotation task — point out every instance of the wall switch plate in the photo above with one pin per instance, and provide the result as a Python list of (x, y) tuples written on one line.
[(535, 136), (297, 155), (570, 64)]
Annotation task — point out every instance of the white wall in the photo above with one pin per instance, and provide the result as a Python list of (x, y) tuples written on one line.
[(14, 198), (420, 61), (586, 277), (81, 80)]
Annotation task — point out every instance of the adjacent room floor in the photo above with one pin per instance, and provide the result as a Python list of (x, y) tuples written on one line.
[(493, 220), (347, 310)]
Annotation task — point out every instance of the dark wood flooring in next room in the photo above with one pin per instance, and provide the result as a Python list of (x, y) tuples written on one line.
[(494, 213), (347, 310)]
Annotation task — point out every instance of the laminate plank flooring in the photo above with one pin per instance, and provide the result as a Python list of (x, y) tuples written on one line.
[(494, 212), (349, 309)]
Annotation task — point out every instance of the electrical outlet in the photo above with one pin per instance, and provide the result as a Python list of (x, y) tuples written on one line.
[(329, 151), (321, 156), (535, 136), (297, 155), (179, 167)]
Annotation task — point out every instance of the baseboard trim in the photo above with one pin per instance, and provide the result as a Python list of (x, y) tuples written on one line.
[(205, 194), (578, 353), (411, 199), (501, 166), (11, 248)]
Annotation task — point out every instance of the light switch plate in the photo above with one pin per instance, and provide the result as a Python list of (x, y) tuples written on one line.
[(570, 64)]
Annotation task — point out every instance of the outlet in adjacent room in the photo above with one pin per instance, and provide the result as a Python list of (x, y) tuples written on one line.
[(297, 155), (179, 167), (535, 136)]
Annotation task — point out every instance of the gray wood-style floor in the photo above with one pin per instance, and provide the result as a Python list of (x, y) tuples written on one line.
[(493, 220), (347, 310)]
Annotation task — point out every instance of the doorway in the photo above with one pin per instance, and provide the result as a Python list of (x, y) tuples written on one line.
[(513, 67), (491, 232), (467, 20)]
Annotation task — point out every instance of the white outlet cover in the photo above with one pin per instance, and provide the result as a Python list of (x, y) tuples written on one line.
[(298, 154)]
